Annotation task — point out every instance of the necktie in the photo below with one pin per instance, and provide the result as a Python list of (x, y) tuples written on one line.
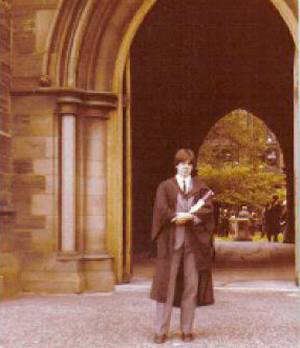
[(184, 186)]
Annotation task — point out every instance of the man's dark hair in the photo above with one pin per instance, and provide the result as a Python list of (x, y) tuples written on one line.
[(275, 197), (183, 155)]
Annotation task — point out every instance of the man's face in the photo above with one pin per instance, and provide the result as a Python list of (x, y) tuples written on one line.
[(184, 169)]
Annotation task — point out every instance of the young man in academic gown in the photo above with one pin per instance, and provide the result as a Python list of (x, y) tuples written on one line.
[(183, 224)]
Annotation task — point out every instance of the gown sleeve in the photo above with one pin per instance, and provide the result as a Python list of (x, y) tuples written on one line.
[(163, 213)]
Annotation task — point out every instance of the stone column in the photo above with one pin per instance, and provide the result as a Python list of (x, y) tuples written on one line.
[(68, 112), (68, 183), (95, 185), (98, 266), (67, 275), (84, 258)]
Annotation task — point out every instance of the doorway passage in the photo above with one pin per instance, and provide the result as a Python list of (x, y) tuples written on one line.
[(186, 72)]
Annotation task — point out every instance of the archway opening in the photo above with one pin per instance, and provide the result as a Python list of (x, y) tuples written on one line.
[(242, 161), (191, 63)]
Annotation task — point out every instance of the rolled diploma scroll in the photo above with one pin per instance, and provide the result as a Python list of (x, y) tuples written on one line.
[(201, 202)]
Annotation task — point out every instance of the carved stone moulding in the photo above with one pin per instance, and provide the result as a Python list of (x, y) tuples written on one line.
[(76, 101)]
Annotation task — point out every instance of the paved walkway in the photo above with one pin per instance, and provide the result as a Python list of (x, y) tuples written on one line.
[(257, 305), (241, 318)]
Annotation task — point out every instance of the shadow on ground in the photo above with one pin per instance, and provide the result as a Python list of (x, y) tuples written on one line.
[(239, 262)]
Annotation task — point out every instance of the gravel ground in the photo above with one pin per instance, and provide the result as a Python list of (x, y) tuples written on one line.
[(240, 318)]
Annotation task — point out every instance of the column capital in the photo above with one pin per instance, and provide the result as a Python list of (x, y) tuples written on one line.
[(69, 104), (99, 104), (71, 100)]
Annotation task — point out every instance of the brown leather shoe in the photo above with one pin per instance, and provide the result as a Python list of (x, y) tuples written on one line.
[(159, 339), (187, 337)]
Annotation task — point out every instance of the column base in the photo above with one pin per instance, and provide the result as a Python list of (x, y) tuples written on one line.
[(98, 272), (57, 276), (10, 276), (70, 273)]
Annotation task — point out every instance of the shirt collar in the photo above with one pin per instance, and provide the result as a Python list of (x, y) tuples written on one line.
[(180, 179)]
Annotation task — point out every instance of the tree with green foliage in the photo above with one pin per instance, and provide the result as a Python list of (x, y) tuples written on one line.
[(241, 185), (239, 137), (231, 161)]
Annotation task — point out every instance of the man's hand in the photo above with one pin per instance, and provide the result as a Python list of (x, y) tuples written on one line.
[(182, 218)]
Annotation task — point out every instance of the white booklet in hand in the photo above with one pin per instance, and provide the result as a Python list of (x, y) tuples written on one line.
[(182, 216)]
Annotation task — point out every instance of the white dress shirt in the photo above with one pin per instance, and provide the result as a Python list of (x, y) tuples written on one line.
[(180, 180), (188, 182)]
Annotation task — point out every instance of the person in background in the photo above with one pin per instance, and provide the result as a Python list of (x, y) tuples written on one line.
[(284, 221), (253, 223), (273, 219), (244, 213), (233, 225), (224, 223), (265, 220)]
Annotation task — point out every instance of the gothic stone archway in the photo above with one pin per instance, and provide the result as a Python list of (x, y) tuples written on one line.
[(82, 78), (182, 86)]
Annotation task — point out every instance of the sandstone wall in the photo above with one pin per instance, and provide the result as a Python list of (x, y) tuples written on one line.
[(32, 20), (34, 148), (9, 262), (34, 144), (5, 120), (28, 143)]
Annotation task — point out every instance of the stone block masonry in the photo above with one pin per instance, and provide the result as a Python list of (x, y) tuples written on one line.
[(9, 266)]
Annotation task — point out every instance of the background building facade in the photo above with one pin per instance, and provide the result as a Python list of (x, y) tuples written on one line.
[(65, 177)]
